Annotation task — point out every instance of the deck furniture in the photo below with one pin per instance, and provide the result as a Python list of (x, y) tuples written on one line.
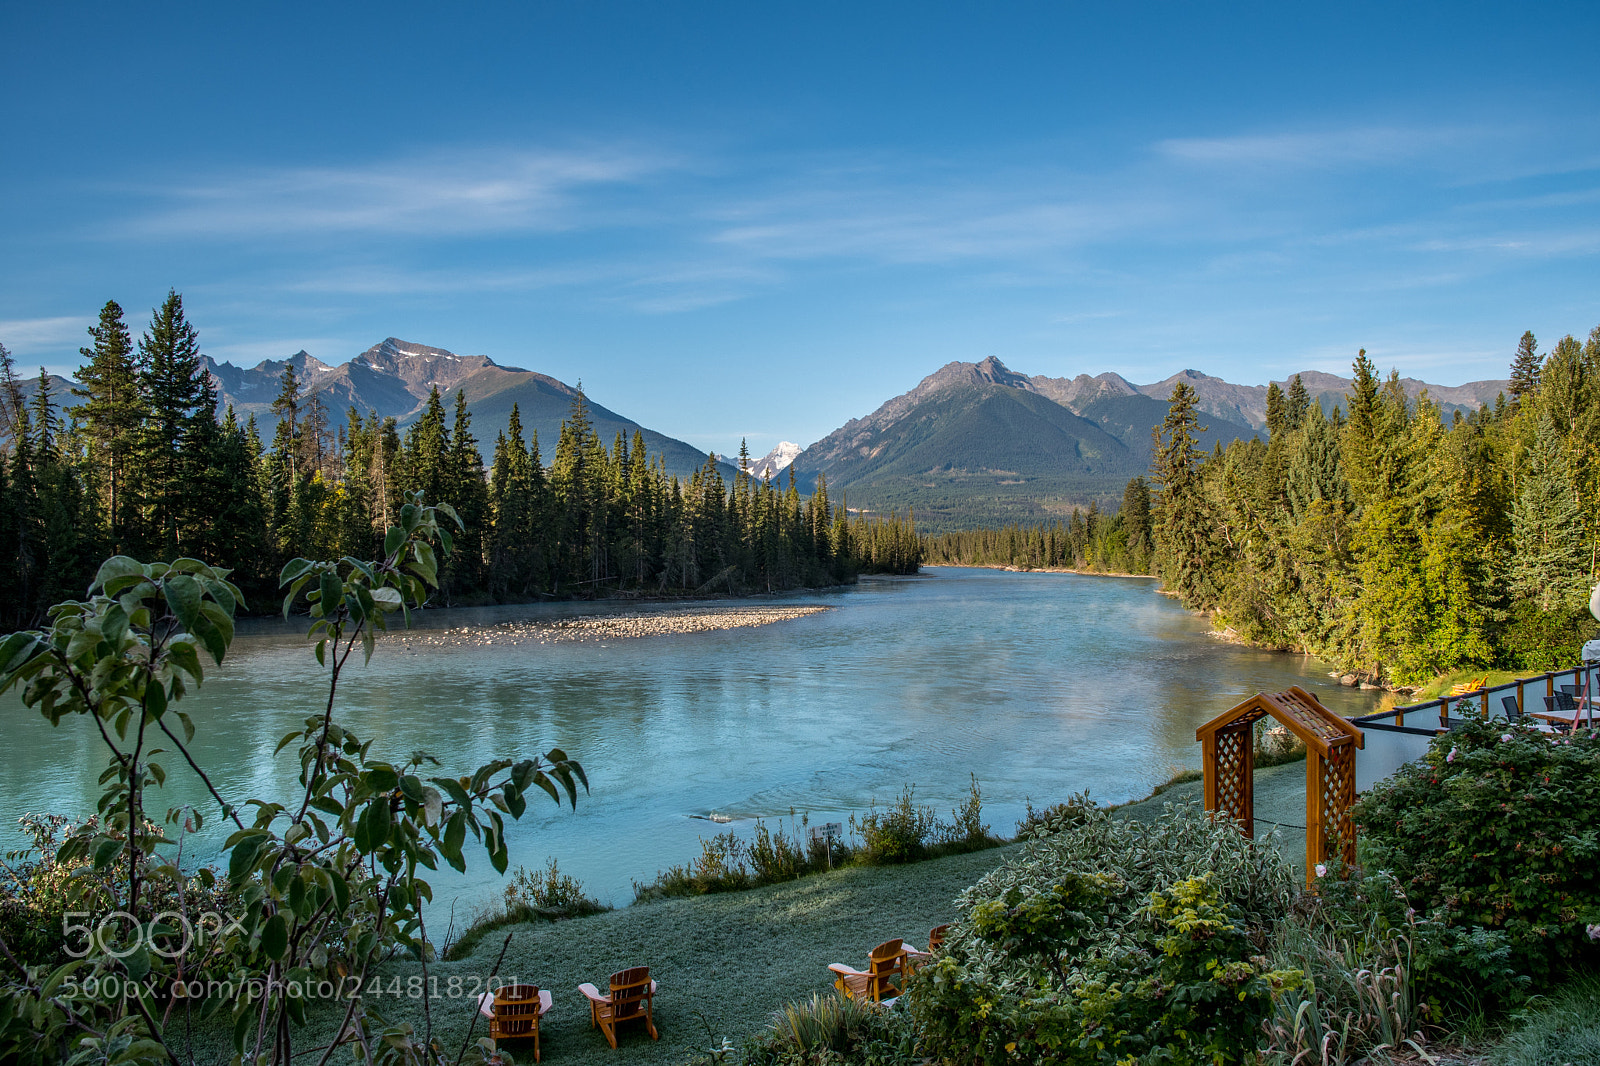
[(1513, 712), (915, 958), (883, 979), (1467, 688), (630, 1000), (514, 1012)]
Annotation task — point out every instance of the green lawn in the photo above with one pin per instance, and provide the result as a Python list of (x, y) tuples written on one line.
[(725, 962), (732, 958)]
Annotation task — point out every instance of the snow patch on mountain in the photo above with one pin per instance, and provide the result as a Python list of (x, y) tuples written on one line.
[(775, 462)]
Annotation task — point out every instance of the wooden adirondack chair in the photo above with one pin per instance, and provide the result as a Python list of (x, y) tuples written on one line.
[(631, 998), (514, 1012), (915, 958), (883, 979)]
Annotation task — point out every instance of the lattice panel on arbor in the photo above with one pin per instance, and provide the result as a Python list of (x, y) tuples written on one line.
[(1228, 745), (1337, 791)]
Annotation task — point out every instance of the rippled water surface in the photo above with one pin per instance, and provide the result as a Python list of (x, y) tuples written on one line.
[(1041, 684)]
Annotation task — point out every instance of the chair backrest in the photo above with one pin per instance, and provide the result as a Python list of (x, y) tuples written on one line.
[(1510, 704), (886, 954), (1571, 690), (936, 936), (516, 1009), (1565, 701), (629, 989)]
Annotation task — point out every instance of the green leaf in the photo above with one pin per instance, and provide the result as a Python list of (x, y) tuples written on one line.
[(293, 569), (183, 656), (138, 963), (453, 789), (17, 649), (106, 852), (113, 626), (183, 596), (275, 937), (243, 858), (392, 540), (514, 801), (155, 698), (380, 778), (114, 568), (332, 590), (223, 620)]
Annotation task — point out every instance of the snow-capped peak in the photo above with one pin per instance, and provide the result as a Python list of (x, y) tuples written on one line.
[(775, 461)]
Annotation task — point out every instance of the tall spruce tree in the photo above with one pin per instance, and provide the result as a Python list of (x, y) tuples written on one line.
[(1297, 404), (111, 414), (1550, 565), (1183, 527), (1525, 368), (176, 390)]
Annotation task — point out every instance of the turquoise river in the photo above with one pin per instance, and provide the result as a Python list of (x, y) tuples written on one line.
[(1040, 684)]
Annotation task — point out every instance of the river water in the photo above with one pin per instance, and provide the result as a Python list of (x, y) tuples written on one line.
[(1040, 684)]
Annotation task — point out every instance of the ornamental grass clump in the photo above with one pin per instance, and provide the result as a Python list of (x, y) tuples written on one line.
[(1110, 941), (1494, 836)]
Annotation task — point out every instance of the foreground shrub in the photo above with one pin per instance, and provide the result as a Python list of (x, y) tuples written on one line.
[(826, 1030), (1111, 941), (1494, 835), (905, 832), (547, 895)]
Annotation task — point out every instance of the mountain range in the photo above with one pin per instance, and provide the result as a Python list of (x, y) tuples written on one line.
[(971, 444), (395, 377), (978, 443)]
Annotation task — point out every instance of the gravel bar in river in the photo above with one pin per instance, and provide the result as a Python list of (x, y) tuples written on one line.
[(610, 626)]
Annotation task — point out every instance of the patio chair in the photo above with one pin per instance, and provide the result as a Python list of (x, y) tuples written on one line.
[(514, 1012), (1512, 711), (630, 1000), (1466, 688), (883, 979), (915, 958)]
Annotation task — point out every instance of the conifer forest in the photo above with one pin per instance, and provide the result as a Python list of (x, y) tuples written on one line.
[(138, 461), (1380, 534)]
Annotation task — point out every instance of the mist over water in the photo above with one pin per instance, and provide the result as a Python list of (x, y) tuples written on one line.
[(1040, 684)]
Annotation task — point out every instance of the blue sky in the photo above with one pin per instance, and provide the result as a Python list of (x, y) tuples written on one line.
[(761, 220)]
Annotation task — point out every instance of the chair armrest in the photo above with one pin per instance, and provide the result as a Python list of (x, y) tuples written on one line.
[(486, 1004), (546, 1001), (845, 971), (653, 987), (593, 993)]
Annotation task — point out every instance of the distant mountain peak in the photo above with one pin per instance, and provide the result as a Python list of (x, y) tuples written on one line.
[(774, 462)]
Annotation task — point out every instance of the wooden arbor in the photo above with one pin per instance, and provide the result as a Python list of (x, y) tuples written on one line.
[(1227, 744)]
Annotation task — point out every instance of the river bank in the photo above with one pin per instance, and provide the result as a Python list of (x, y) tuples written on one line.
[(631, 626)]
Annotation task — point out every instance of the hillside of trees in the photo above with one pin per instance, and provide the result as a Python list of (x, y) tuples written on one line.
[(1382, 536), (136, 461)]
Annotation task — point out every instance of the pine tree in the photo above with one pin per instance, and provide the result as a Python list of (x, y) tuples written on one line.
[(468, 494), (176, 388), (1525, 368), (1550, 565), (1277, 418), (1182, 525), (1297, 405), (111, 414), (1136, 523)]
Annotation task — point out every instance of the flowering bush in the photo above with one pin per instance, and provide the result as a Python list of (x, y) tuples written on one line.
[(1111, 941), (1496, 829)]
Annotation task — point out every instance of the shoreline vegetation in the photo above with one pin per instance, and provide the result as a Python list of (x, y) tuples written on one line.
[(139, 462), (1398, 544)]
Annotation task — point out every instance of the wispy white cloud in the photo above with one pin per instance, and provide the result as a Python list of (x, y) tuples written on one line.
[(22, 336), (1359, 146), (439, 194)]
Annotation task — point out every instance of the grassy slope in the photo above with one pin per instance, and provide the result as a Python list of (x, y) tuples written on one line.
[(738, 956)]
